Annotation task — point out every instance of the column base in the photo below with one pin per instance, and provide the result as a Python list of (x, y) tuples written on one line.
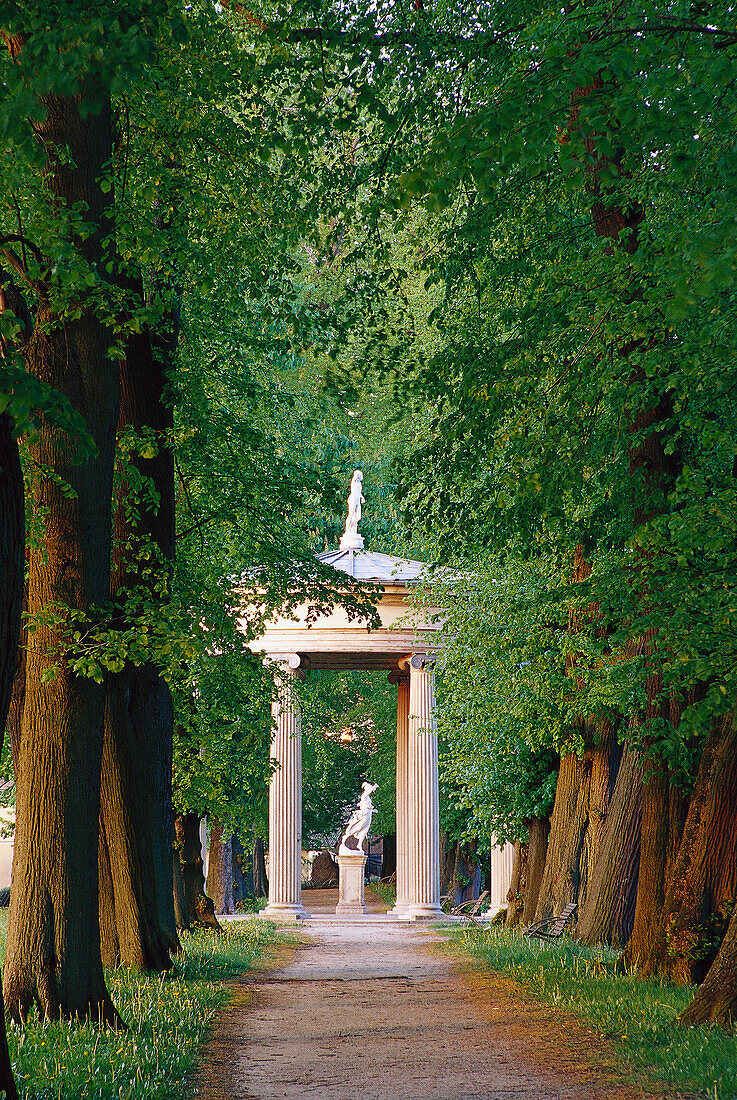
[(422, 912), (284, 913), (398, 910)]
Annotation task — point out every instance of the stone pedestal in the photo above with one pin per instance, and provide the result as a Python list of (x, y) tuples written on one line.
[(350, 885), (285, 805)]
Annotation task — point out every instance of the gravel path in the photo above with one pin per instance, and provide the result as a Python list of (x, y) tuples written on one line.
[(372, 1012)]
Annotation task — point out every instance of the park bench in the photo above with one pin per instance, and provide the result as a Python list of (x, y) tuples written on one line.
[(470, 908), (557, 924)]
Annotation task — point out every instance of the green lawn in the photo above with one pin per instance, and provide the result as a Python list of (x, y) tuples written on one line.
[(167, 1019), (637, 1015)]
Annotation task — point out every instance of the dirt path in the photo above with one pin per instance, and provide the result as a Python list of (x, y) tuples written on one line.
[(372, 1012)]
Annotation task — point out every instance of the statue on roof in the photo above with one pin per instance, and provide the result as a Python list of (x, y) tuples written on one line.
[(351, 539)]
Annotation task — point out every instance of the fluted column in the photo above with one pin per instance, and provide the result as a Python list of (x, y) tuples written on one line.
[(285, 801), (403, 815), (500, 877), (423, 896)]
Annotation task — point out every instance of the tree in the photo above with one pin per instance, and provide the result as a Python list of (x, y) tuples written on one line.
[(12, 543), (53, 953)]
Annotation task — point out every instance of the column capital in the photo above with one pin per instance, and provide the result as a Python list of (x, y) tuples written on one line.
[(295, 662), (417, 661)]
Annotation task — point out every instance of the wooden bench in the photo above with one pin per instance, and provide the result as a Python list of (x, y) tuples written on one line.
[(557, 924), (470, 908)]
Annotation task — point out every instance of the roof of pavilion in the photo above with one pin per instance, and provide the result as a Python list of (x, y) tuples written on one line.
[(367, 566), (336, 640)]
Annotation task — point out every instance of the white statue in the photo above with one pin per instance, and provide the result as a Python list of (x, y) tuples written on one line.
[(351, 539), (357, 828)]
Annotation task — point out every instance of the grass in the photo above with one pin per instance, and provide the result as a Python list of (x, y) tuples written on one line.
[(387, 891), (637, 1015), (167, 1018)]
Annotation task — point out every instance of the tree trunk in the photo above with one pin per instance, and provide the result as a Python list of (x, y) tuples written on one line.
[(663, 809), (18, 696), (136, 813), (128, 821), (181, 912), (53, 949), (703, 886), (220, 871), (12, 543), (389, 856), (716, 998), (199, 906), (537, 848), (562, 874), (109, 943), (242, 874), (517, 884), (260, 881), (447, 865), (609, 912), (461, 875)]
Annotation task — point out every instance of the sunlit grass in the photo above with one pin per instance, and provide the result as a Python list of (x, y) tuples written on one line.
[(167, 1018), (637, 1015)]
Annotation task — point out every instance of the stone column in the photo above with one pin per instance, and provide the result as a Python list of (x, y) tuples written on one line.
[(500, 878), (403, 824), (423, 900), (285, 802)]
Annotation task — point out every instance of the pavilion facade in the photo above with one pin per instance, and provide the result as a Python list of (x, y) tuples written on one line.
[(401, 647)]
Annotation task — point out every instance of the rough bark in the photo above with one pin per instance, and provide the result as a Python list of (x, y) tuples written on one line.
[(12, 541), (109, 943), (260, 881), (609, 912), (53, 949), (136, 814), (242, 874), (199, 906), (537, 848), (461, 880), (716, 998), (220, 871), (128, 821), (575, 816), (702, 888), (663, 814), (582, 792), (18, 698), (517, 884), (181, 912)]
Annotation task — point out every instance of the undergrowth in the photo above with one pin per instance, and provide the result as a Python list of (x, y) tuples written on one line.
[(387, 891), (639, 1016), (167, 1017)]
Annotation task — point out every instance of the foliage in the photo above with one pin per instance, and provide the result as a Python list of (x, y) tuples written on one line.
[(581, 387), (638, 1016), (349, 729), (167, 1017)]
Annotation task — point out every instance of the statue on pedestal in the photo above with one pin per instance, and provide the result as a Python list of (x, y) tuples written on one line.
[(359, 824), (352, 855)]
